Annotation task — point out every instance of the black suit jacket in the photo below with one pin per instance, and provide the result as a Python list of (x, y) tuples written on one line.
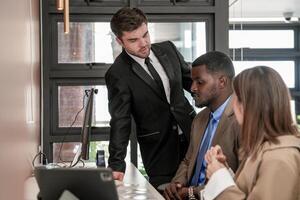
[(133, 93)]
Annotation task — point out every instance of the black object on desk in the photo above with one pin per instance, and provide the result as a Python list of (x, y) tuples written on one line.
[(100, 158), (84, 183)]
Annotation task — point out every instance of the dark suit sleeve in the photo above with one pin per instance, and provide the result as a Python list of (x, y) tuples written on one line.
[(181, 175), (185, 70), (119, 98)]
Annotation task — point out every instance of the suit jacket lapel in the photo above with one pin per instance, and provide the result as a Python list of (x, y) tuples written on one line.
[(200, 127), (228, 113), (140, 72), (165, 62)]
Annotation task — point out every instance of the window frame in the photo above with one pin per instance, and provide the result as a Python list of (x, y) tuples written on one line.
[(216, 36), (280, 54)]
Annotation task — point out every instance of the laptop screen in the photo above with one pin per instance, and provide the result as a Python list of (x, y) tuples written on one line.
[(83, 183)]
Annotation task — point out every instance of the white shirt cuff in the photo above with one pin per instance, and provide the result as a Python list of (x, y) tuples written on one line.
[(218, 182), (231, 172)]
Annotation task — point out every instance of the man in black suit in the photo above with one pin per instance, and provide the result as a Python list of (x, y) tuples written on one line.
[(146, 83)]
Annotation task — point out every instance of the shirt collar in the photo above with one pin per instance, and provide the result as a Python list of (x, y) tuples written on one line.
[(218, 113), (139, 60)]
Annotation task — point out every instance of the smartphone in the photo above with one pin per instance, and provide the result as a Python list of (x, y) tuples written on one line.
[(100, 158)]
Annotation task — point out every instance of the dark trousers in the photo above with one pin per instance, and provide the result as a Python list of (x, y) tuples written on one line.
[(159, 180)]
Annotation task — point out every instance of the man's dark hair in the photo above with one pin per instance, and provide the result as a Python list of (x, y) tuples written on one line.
[(127, 19), (216, 61)]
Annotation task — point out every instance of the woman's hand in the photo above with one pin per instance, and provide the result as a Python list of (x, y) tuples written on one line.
[(212, 167), (215, 160), (215, 153)]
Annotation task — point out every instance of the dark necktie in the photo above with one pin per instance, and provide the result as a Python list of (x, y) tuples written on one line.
[(201, 153), (155, 75)]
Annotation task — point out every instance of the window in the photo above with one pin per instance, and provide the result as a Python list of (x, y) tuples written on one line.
[(72, 100), (285, 68), (67, 150), (273, 45), (87, 42), (188, 37), (79, 60), (93, 42), (261, 39)]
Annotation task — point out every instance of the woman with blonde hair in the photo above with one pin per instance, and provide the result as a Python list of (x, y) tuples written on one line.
[(270, 143)]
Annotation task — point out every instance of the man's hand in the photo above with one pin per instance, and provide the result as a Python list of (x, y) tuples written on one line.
[(118, 175), (183, 192), (173, 191)]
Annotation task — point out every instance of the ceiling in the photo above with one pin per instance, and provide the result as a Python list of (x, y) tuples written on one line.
[(263, 8)]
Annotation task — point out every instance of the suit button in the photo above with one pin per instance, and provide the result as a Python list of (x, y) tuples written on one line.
[(172, 108), (174, 127)]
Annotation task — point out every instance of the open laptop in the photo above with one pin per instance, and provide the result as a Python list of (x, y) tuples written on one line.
[(83, 183)]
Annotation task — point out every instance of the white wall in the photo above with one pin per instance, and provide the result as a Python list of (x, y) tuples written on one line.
[(19, 93)]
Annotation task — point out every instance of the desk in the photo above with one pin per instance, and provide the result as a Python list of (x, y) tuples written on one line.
[(134, 186)]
